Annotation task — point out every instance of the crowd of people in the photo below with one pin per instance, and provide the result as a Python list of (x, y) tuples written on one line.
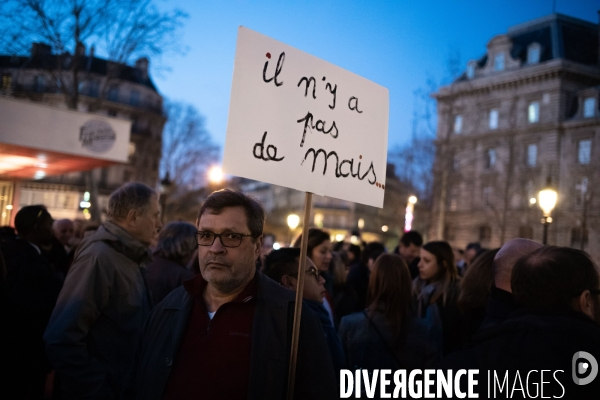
[(135, 310)]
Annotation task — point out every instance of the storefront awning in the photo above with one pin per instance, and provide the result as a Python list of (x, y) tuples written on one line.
[(37, 140)]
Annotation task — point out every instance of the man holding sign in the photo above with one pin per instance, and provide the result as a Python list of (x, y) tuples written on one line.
[(226, 333)]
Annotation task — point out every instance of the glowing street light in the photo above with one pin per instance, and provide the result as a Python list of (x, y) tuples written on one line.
[(215, 175), (547, 201), (293, 221), (409, 216)]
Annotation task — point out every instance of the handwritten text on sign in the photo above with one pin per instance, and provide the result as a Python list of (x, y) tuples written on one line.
[(301, 122)]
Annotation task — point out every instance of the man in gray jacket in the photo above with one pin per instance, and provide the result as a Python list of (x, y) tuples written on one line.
[(92, 334), (226, 333)]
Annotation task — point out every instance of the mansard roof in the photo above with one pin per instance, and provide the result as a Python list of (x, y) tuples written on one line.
[(559, 37), (91, 64)]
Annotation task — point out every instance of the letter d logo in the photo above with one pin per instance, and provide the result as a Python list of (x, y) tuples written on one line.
[(584, 367)]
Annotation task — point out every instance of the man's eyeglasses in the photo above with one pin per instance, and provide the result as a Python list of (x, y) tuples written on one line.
[(228, 239)]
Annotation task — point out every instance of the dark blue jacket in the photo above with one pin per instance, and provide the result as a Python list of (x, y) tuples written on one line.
[(271, 338)]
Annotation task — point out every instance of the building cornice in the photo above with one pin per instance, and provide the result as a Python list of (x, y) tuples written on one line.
[(519, 77)]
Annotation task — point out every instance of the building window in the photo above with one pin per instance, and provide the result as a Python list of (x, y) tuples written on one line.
[(458, 124), (471, 70), (526, 232), (453, 199), (113, 93), (485, 232), (490, 158), (533, 112), (94, 89), (449, 232), (6, 81), (499, 62), (134, 100), (533, 54), (488, 193), (584, 151), (531, 155), (455, 163), (589, 104), (39, 83), (494, 118), (577, 236)]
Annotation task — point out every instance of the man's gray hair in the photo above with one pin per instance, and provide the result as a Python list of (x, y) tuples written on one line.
[(177, 241), (130, 196)]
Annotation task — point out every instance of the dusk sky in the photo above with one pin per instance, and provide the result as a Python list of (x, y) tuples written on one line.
[(397, 44)]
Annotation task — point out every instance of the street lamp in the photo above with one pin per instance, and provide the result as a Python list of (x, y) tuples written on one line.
[(409, 216), (215, 175), (293, 220), (547, 201)]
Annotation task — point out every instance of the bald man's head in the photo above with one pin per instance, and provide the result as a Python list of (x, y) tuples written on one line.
[(507, 256), (63, 230)]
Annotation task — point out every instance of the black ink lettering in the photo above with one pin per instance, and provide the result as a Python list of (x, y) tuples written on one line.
[(371, 169), (333, 91), (308, 81), (278, 69), (274, 156), (351, 162), (261, 154), (316, 155), (307, 124), (339, 173), (355, 106), (319, 126)]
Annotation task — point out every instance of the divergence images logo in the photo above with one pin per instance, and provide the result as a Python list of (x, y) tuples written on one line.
[(584, 363), (97, 136)]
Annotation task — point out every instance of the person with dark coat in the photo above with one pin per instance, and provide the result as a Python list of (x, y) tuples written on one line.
[(409, 248), (31, 290), (554, 329), (101, 310), (389, 334), (226, 333), (437, 289), (282, 266), (501, 302), (168, 270), (358, 276)]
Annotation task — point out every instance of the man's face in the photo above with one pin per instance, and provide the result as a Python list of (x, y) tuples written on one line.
[(228, 268), (63, 231), (409, 252), (147, 223)]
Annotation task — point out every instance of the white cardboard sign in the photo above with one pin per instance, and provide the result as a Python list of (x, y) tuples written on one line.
[(301, 122)]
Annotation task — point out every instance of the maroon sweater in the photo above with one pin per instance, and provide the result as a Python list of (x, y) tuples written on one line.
[(214, 357)]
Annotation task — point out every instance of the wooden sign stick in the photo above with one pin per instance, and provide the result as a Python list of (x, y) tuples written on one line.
[(299, 290)]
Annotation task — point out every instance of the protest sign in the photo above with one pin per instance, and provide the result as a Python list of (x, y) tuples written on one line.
[(301, 122)]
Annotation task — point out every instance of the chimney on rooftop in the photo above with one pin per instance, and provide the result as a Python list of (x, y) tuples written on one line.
[(142, 66), (40, 50), (80, 49)]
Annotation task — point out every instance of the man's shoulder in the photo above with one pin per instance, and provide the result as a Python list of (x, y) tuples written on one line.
[(273, 291)]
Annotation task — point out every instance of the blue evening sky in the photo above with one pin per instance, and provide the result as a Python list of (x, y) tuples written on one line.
[(397, 44)]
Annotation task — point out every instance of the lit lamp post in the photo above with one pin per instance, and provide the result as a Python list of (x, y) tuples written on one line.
[(215, 175), (293, 220), (409, 216), (547, 201)]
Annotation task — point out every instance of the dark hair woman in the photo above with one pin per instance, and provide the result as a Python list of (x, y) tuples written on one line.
[(437, 289), (475, 290), (388, 334)]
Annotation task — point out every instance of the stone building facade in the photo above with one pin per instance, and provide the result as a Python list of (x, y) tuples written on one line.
[(105, 88), (522, 117)]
